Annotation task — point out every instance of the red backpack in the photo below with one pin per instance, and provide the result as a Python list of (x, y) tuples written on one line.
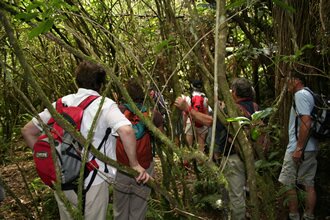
[(143, 141), (68, 150), (197, 103)]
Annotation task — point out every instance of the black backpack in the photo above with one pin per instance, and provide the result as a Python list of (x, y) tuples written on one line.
[(320, 116)]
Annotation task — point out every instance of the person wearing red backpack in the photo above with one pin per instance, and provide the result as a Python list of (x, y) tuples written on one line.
[(90, 78), (235, 173), (198, 102), (130, 198)]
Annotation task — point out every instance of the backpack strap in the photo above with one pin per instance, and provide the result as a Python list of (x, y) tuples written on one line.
[(296, 123), (309, 90), (84, 104), (105, 138), (59, 105), (141, 107), (296, 119), (297, 114), (92, 165), (87, 101), (243, 107)]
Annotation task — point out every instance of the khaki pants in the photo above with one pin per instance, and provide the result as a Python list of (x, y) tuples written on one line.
[(303, 174), (130, 198), (97, 199), (235, 174)]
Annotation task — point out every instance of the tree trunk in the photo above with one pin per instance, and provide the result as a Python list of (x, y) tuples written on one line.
[(246, 146)]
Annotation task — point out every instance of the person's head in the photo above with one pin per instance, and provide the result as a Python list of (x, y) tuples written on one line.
[(196, 85), (297, 81), (90, 76), (242, 88), (135, 91), (152, 91)]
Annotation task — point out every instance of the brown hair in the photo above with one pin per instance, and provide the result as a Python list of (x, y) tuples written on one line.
[(135, 91), (90, 76)]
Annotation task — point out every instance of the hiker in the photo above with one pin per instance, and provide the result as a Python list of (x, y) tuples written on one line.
[(299, 164), (198, 102), (222, 139), (243, 95), (130, 197), (90, 78), (158, 98)]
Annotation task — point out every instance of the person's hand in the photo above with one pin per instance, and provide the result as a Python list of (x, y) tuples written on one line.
[(297, 155), (181, 104), (143, 175)]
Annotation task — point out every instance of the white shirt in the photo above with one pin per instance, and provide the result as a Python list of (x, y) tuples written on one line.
[(110, 116)]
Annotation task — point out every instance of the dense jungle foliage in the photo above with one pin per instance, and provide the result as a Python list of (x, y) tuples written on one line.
[(164, 44)]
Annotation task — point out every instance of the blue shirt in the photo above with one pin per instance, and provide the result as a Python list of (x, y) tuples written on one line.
[(304, 105)]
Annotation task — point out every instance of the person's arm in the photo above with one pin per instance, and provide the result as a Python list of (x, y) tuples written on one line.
[(305, 126), (202, 118), (127, 136), (30, 133)]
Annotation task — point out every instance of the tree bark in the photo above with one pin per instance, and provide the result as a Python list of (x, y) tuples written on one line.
[(246, 146)]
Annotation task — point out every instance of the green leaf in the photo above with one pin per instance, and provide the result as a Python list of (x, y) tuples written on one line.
[(261, 114), (261, 164), (27, 16), (161, 45), (255, 134), (34, 5), (238, 119), (307, 46), (301, 51), (164, 44), (43, 27)]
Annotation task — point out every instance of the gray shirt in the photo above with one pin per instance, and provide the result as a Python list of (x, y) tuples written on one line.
[(304, 106)]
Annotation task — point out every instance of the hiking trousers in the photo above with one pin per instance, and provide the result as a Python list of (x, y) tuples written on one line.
[(236, 177), (97, 199), (130, 198)]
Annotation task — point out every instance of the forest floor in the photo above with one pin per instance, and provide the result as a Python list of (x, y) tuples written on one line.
[(17, 171)]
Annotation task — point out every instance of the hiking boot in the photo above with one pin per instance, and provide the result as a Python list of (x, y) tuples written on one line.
[(308, 216), (294, 216)]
